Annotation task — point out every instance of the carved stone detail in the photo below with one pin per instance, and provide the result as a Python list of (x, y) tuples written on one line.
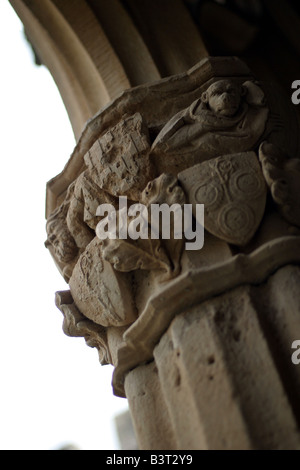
[(197, 138), (233, 191), (161, 256), (193, 287), (103, 294), (72, 225), (60, 241), (119, 160), (282, 175), (228, 118), (77, 325)]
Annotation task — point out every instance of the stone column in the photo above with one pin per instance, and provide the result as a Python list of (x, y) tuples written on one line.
[(225, 372), (200, 339)]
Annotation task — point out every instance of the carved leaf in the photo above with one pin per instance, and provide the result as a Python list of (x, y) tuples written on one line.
[(129, 255)]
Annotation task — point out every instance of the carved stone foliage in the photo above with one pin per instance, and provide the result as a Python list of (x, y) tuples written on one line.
[(206, 137)]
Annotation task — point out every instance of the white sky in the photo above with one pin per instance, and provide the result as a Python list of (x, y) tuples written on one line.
[(53, 389)]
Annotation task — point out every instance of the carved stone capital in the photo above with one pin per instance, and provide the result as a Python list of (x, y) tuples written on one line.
[(208, 137), (77, 325)]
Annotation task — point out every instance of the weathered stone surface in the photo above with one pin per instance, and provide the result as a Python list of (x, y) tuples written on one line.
[(193, 287), (101, 293), (228, 118), (77, 325), (204, 349), (225, 369), (119, 160), (150, 414), (215, 366), (282, 175), (195, 319), (169, 96), (233, 191)]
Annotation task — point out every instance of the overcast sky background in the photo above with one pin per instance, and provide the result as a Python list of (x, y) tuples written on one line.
[(53, 389)]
